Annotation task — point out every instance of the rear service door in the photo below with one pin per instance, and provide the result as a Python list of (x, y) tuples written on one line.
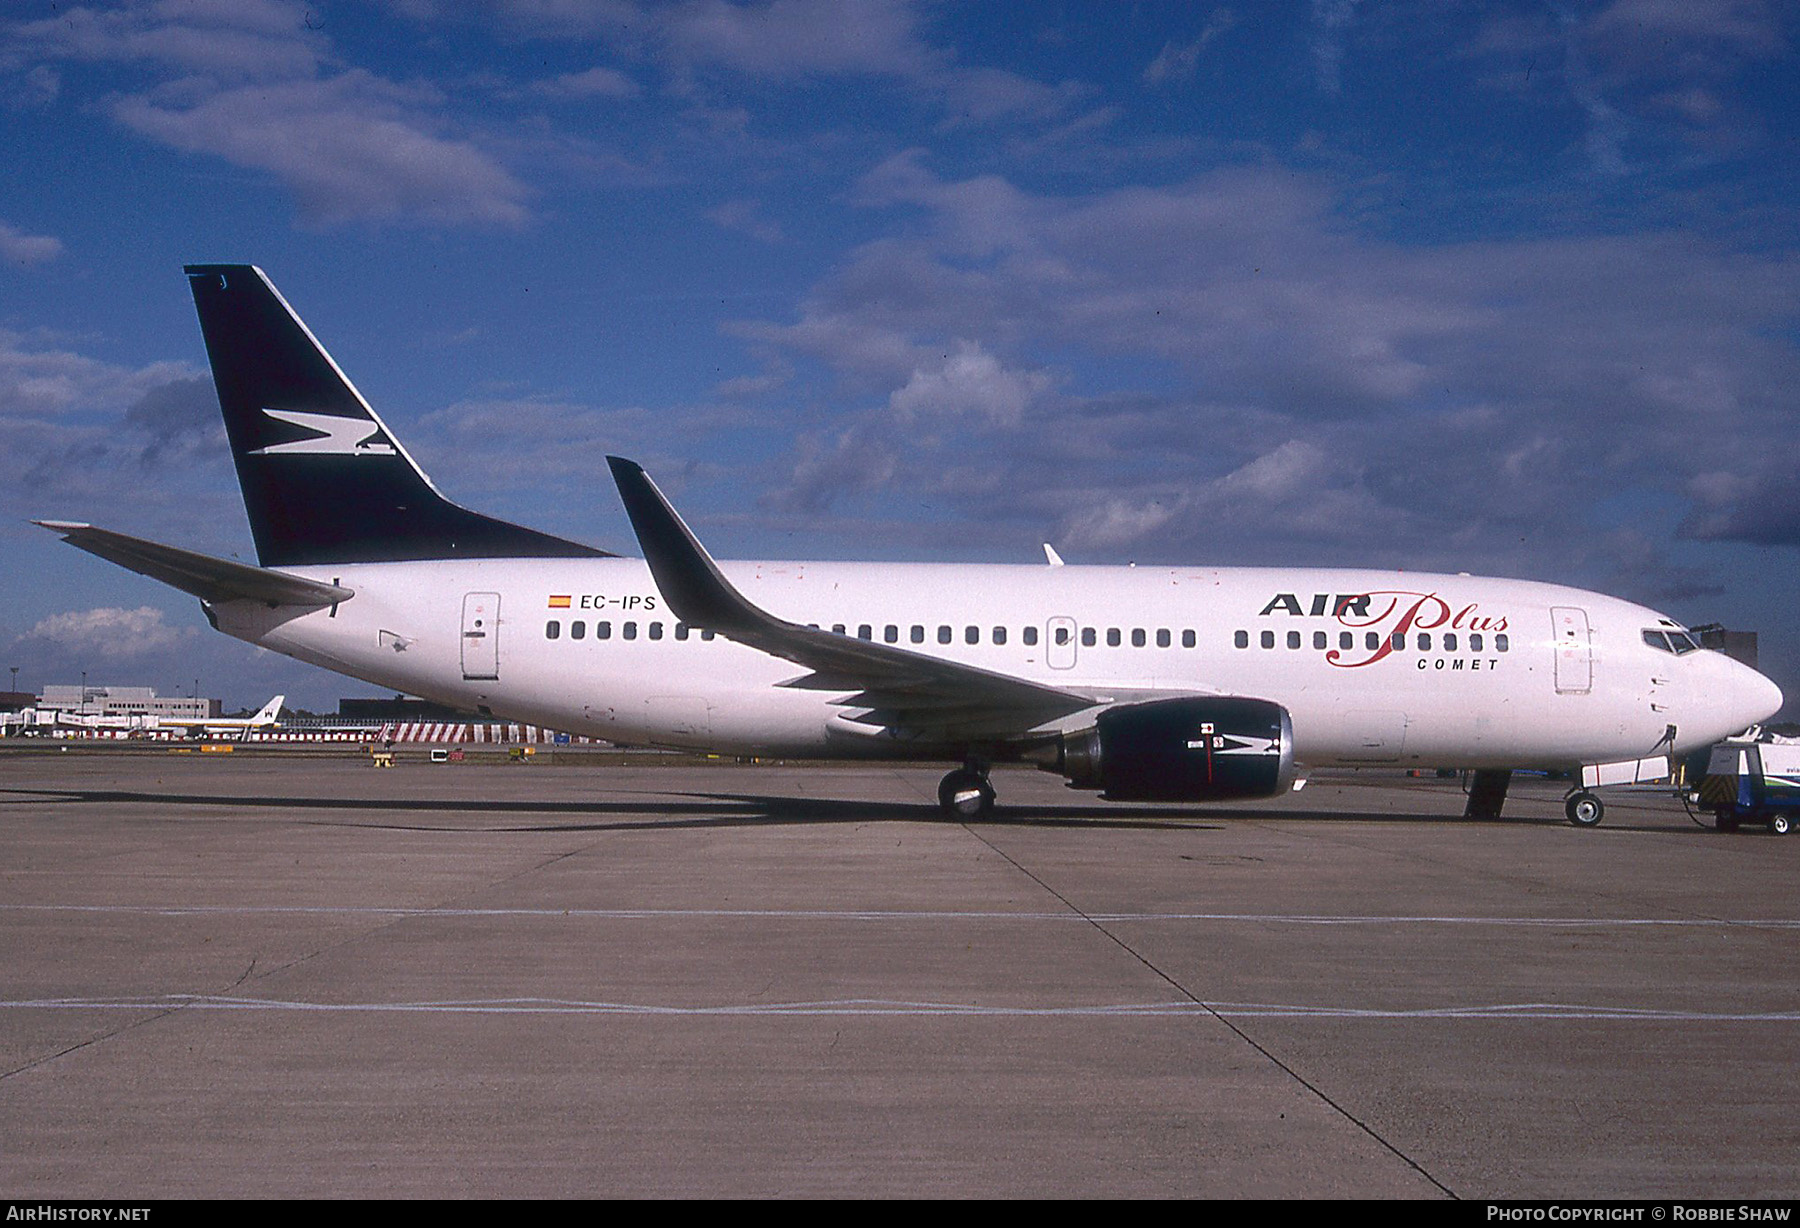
[(480, 636)]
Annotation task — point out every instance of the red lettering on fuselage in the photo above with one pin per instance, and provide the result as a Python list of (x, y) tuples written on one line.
[(1388, 613)]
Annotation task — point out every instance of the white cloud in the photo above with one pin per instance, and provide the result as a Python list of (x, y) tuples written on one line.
[(16, 247), (352, 148), (745, 216), (796, 38), (40, 377), (800, 40), (243, 39), (252, 82), (596, 82), (1317, 387), (1179, 62), (968, 382), (1331, 20), (111, 634)]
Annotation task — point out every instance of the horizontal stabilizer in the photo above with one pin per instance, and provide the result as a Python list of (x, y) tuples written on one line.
[(204, 576)]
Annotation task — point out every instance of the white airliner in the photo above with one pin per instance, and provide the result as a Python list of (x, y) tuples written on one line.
[(266, 717), (1146, 683)]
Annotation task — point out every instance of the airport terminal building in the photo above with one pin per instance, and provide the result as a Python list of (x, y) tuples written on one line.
[(127, 701)]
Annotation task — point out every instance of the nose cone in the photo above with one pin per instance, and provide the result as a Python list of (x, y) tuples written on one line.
[(1759, 698), (1726, 698)]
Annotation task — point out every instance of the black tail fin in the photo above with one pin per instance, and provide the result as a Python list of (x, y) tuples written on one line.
[(324, 481)]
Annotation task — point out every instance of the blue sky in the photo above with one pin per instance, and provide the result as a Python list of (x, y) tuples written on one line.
[(1502, 288)]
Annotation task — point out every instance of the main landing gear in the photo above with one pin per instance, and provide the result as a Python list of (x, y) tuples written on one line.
[(966, 792)]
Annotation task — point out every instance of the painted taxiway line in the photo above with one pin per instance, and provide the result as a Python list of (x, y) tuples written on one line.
[(828, 914), (1182, 1009)]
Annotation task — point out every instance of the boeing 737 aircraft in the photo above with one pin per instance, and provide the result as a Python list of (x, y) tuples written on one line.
[(1145, 683)]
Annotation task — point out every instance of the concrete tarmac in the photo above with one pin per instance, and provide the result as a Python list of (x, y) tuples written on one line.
[(267, 975)]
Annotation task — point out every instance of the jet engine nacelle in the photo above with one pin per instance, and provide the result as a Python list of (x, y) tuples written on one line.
[(1180, 750)]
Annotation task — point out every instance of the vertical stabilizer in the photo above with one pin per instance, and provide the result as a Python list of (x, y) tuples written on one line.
[(324, 481)]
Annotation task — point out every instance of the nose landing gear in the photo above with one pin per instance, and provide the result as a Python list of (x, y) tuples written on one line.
[(1584, 809)]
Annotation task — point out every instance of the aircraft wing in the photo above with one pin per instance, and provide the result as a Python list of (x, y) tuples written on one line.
[(204, 576), (888, 686)]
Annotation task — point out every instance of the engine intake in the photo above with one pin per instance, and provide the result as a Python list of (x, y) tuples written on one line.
[(1180, 750)]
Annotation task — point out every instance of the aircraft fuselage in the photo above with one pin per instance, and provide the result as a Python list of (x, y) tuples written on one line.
[(1375, 667)]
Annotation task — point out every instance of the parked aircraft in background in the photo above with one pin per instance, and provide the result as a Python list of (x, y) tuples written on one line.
[(1145, 683), (267, 717), (52, 720)]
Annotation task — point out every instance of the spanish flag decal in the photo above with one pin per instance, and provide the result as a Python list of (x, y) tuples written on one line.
[(559, 602)]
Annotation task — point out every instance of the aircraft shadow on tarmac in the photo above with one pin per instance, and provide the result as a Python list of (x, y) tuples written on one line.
[(676, 810)]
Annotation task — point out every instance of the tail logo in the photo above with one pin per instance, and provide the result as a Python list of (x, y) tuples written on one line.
[(337, 436)]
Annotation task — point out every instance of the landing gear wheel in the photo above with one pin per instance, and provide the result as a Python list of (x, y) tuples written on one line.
[(1584, 809), (966, 794), (1781, 824)]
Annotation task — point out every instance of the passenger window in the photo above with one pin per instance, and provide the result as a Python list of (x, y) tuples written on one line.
[(656, 631), (1293, 638), (890, 634), (1320, 639), (1501, 642), (1030, 637), (1062, 635), (1399, 640), (1449, 641), (552, 630), (577, 630), (837, 628), (1112, 637), (1474, 643), (630, 631), (1268, 639), (999, 635), (681, 631), (917, 634), (1162, 637), (1241, 639), (1346, 640), (1373, 640), (865, 632), (1087, 637), (971, 635), (943, 634), (1424, 641), (708, 634), (603, 631), (1137, 637), (1187, 639)]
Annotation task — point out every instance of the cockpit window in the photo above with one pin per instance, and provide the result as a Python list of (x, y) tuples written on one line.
[(1678, 642)]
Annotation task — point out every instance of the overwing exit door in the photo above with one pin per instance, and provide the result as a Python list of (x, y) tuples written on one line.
[(480, 637)]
